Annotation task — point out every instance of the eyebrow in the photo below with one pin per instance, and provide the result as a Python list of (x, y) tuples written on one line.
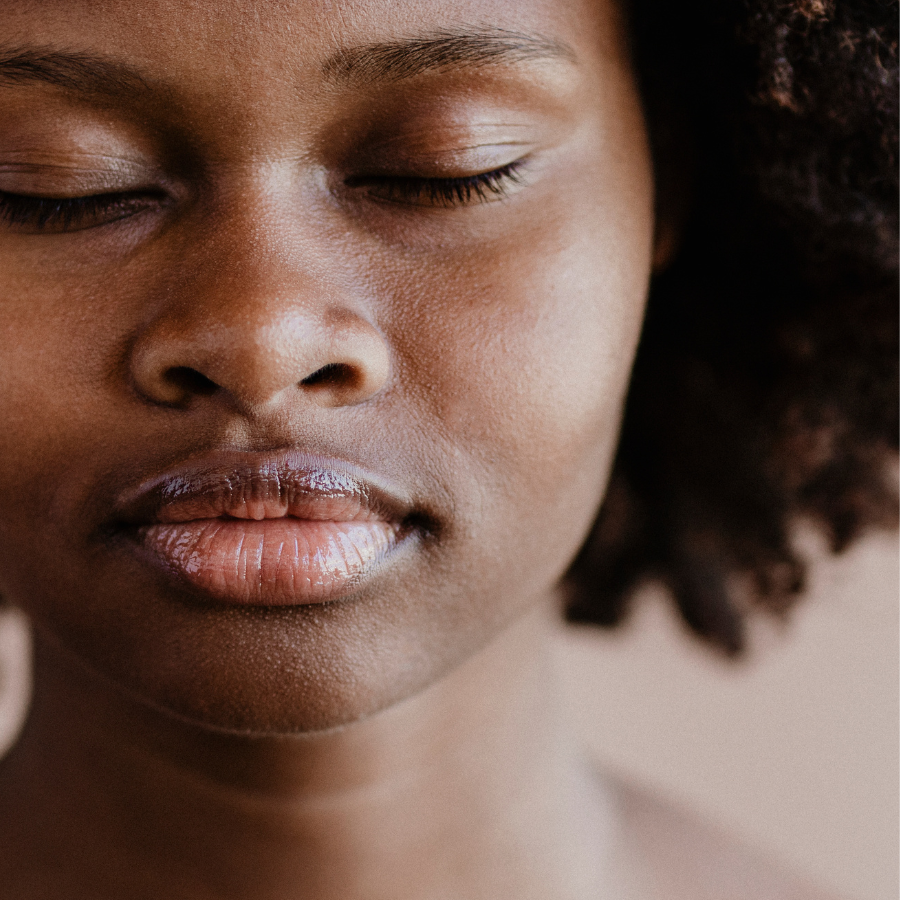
[(385, 61), (72, 70), (442, 50)]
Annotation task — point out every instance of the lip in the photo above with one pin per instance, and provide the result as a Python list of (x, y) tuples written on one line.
[(264, 529)]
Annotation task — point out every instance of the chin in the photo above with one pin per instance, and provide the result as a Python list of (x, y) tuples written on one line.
[(279, 671)]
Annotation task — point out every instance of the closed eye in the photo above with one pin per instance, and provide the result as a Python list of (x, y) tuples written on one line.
[(58, 215), (466, 190)]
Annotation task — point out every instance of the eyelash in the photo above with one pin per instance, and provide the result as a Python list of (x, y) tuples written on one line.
[(55, 214), (59, 215), (443, 192)]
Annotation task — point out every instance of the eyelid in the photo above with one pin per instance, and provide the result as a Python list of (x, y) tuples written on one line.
[(457, 162), (71, 179), (447, 193), (434, 134)]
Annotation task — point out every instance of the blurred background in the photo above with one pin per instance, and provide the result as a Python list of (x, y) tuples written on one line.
[(795, 748)]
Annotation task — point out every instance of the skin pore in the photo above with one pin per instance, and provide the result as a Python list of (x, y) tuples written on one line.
[(384, 234)]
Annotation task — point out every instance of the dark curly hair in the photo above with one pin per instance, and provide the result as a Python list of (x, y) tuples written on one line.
[(765, 386)]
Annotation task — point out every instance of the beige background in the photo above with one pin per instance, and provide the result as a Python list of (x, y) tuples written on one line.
[(795, 750)]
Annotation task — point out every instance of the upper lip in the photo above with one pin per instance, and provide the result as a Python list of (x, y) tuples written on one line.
[(262, 485)]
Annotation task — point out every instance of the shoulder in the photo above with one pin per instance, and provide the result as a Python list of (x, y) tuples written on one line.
[(677, 855)]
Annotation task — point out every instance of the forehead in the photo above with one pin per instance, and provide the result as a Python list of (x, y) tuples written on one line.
[(256, 40)]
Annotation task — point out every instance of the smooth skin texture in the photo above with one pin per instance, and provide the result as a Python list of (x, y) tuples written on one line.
[(294, 198)]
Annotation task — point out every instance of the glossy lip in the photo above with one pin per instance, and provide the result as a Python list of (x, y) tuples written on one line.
[(266, 529)]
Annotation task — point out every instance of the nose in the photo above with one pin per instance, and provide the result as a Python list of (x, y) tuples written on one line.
[(254, 330)]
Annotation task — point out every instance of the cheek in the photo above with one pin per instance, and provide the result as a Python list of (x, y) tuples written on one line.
[(59, 337), (528, 362), (42, 384), (66, 407), (522, 374)]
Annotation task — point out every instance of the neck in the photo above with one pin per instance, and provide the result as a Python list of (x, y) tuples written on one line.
[(471, 788)]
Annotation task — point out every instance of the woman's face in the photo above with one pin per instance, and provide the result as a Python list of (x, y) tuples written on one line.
[(369, 272)]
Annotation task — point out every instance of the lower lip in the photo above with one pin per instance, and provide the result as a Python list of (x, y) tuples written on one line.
[(272, 562)]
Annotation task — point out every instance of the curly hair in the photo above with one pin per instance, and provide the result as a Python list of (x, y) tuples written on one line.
[(765, 386)]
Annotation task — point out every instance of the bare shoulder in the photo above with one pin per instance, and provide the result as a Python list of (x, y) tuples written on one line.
[(680, 856)]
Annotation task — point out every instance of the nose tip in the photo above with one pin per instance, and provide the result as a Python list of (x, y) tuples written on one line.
[(341, 361)]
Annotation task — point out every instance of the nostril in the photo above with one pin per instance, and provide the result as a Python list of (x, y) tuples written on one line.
[(190, 381), (334, 374)]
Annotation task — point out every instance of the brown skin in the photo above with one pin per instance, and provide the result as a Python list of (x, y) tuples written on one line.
[(486, 347), (183, 749)]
